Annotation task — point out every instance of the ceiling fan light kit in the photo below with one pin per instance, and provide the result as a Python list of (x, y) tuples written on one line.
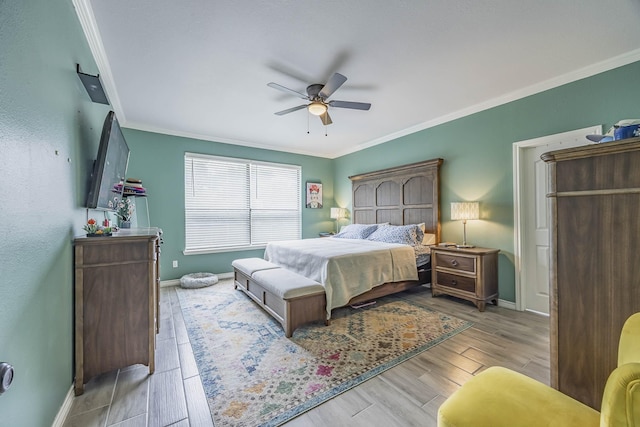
[(317, 108), (317, 95)]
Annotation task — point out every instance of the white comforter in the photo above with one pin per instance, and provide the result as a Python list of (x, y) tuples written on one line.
[(346, 267)]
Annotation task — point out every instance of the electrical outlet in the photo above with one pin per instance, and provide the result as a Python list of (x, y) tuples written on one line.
[(175, 263)]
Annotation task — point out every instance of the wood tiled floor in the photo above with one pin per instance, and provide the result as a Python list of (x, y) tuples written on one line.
[(406, 395)]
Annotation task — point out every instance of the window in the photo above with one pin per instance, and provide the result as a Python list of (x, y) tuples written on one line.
[(238, 204)]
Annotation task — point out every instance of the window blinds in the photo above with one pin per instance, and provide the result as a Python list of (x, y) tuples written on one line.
[(233, 203)]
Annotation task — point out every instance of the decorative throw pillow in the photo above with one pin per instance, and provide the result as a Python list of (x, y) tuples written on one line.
[(405, 234), (356, 231)]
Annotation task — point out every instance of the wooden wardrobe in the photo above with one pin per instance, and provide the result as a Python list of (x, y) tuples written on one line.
[(595, 261)]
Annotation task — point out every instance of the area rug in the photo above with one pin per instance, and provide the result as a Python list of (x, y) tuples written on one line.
[(254, 376)]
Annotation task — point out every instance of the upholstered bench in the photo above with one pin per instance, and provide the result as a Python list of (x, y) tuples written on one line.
[(290, 298)]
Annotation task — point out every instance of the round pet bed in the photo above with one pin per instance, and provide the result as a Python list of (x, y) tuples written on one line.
[(198, 280)]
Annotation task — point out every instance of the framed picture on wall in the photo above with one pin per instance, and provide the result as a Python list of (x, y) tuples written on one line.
[(314, 195)]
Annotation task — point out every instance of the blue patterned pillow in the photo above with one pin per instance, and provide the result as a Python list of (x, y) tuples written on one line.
[(406, 234), (357, 231)]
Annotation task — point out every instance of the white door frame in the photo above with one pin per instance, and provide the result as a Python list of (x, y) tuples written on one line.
[(518, 152)]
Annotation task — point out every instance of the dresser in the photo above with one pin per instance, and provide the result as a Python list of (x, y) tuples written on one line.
[(594, 261), (116, 302), (466, 273)]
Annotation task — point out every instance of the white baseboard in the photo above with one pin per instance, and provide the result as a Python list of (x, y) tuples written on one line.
[(507, 304), (167, 283), (176, 282), (64, 409)]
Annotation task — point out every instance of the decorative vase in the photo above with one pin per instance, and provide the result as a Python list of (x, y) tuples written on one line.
[(125, 224)]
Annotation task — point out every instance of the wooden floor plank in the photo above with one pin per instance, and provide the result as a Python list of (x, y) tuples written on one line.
[(432, 406), (167, 355), (139, 421), (405, 379), (197, 406), (187, 361), (434, 363), (400, 408), (93, 418), (180, 329), (97, 394), (131, 395), (441, 353), (167, 403)]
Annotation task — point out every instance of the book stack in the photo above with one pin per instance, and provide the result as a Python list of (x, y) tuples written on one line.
[(133, 187)]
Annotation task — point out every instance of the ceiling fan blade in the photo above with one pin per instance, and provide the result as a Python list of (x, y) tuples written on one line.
[(325, 118), (287, 90), (352, 105), (332, 85), (290, 110)]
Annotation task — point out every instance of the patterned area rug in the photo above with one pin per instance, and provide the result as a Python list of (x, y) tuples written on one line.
[(253, 375)]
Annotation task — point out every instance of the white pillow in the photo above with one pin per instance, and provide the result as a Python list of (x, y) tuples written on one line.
[(428, 239), (356, 231)]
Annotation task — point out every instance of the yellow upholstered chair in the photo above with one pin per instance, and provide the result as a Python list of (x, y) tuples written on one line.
[(499, 397)]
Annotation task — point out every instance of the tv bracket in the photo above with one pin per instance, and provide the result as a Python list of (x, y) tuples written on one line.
[(93, 86)]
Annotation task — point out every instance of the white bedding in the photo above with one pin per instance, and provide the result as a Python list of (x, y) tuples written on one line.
[(346, 267)]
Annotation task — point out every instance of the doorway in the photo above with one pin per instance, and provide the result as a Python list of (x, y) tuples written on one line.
[(531, 228)]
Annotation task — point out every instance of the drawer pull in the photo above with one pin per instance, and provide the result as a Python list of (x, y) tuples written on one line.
[(454, 283), (454, 263)]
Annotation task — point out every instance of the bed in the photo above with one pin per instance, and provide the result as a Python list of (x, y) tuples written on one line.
[(356, 269)]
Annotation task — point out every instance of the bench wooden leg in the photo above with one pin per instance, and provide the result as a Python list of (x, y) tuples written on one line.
[(303, 310)]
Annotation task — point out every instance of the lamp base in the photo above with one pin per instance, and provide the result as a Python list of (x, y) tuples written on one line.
[(465, 246)]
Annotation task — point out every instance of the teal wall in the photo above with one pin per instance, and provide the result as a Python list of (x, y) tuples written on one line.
[(477, 153), (159, 161), (49, 132)]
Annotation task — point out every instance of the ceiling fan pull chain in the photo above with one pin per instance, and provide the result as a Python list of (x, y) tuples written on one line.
[(308, 123)]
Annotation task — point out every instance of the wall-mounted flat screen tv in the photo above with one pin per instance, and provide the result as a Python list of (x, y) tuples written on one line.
[(110, 167)]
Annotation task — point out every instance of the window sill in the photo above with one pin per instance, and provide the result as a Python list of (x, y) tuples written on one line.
[(222, 250)]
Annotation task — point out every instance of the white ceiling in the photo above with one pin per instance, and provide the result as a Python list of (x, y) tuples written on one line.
[(200, 68)]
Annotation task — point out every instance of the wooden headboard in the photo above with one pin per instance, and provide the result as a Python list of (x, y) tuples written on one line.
[(408, 194)]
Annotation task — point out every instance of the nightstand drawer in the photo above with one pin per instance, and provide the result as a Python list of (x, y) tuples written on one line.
[(456, 282), (461, 263)]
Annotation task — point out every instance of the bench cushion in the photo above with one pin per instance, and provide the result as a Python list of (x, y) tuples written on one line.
[(286, 284), (250, 265)]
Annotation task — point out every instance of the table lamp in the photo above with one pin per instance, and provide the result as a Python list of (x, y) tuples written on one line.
[(338, 214), (465, 211)]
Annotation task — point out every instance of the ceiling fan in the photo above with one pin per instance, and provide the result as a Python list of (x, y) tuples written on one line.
[(318, 94)]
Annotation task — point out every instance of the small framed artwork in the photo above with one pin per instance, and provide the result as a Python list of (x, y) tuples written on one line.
[(314, 195)]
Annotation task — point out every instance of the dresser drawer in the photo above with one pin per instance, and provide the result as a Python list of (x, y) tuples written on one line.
[(456, 282), (457, 262)]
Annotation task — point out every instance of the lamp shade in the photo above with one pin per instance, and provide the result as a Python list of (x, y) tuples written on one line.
[(317, 108), (465, 210), (339, 213)]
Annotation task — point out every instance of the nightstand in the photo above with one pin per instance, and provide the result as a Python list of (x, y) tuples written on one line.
[(466, 273)]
